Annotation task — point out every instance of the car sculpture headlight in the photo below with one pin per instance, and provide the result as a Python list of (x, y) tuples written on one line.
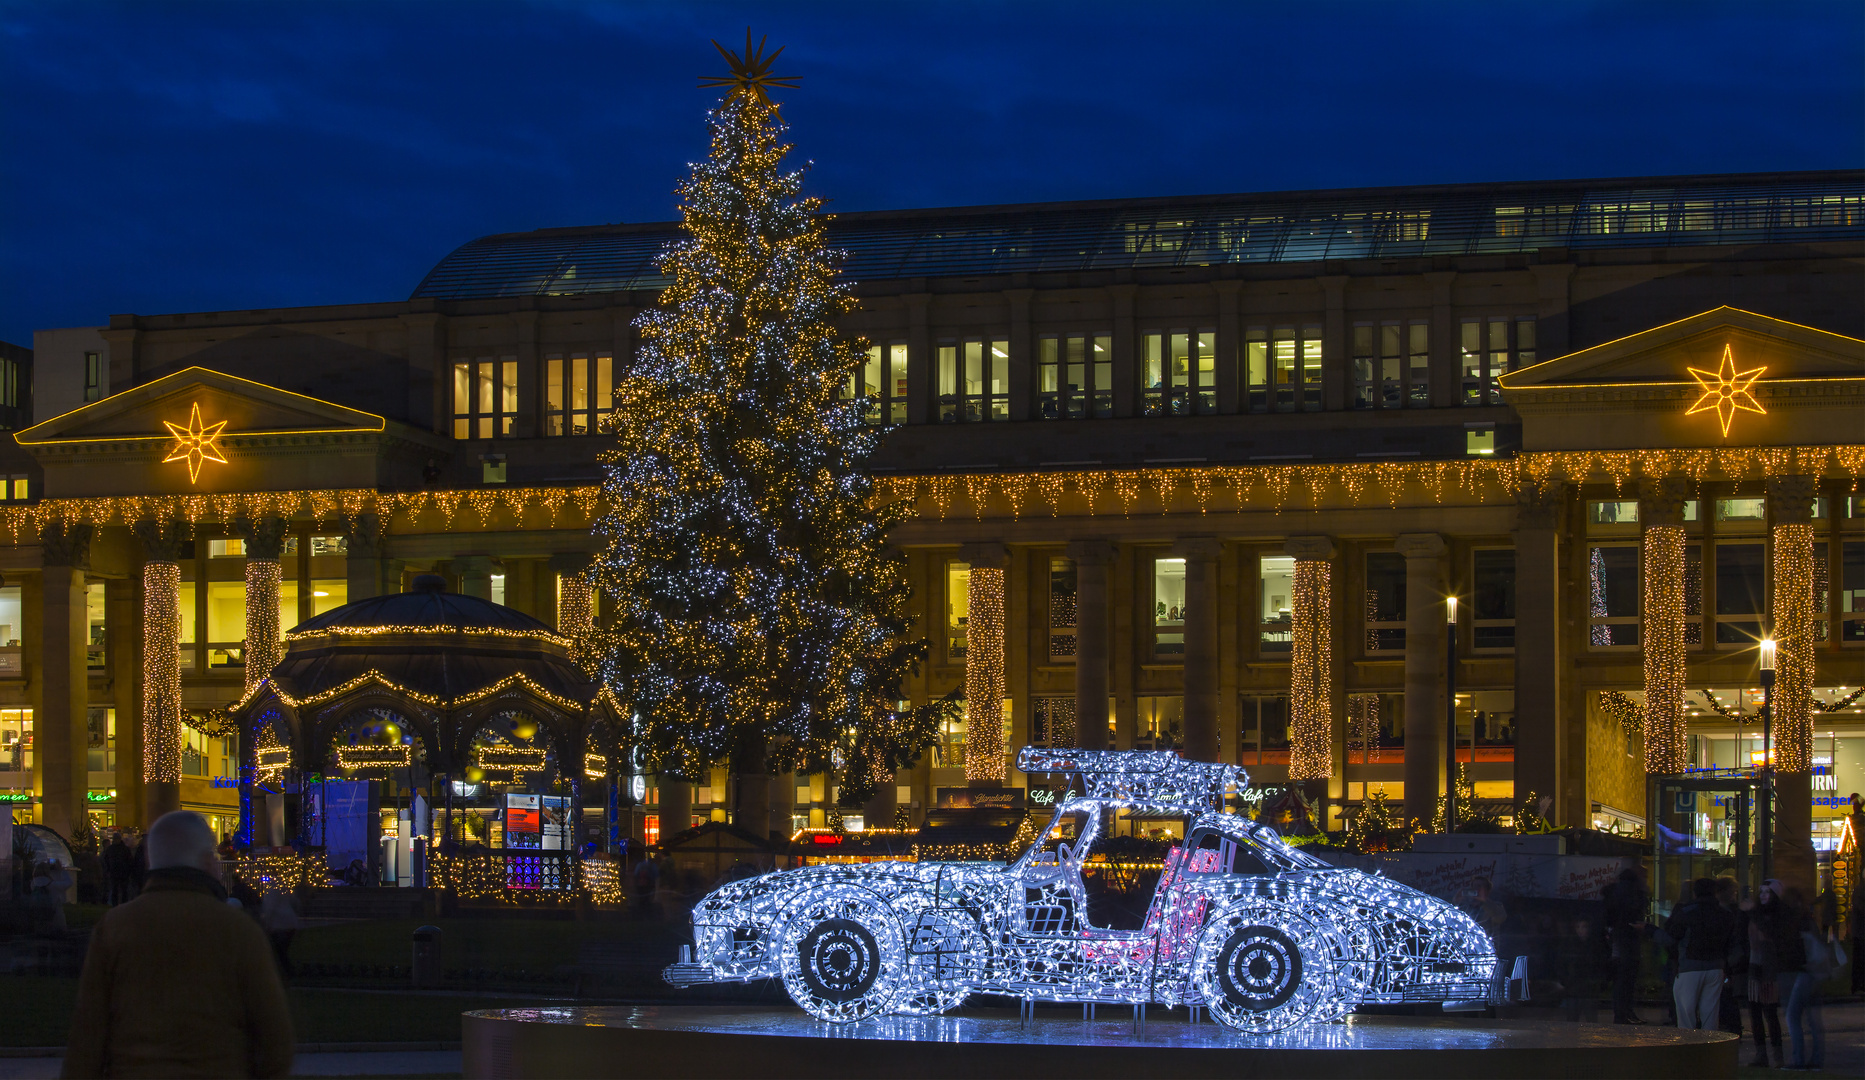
[(1265, 936)]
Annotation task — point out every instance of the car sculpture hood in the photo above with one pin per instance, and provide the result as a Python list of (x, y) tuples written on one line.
[(1264, 935)]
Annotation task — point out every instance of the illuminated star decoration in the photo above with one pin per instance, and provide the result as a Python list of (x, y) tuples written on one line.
[(751, 74), (195, 444), (1727, 390)]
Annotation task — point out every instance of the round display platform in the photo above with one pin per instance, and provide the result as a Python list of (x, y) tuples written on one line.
[(727, 1041)]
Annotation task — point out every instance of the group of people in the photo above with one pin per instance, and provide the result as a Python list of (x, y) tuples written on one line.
[(1770, 951)]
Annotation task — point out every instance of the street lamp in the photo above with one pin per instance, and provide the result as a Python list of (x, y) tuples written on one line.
[(1767, 757), (1450, 709)]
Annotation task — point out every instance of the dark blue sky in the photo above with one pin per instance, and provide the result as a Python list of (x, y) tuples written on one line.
[(159, 157)]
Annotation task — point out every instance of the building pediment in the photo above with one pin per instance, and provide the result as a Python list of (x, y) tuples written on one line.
[(1721, 378), (199, 430)]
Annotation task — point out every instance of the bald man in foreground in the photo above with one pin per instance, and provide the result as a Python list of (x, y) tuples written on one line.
[(177, 983)]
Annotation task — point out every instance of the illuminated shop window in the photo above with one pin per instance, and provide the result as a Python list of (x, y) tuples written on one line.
[(485, 397), (226, 623), (1741, 509), (974, 381), (1385, 602), (579, 393), (1492, 598), (1169, 608), (1052, 721), (1612, 595), (1490, 347), (12, 632), (1178, 375), (100, 724), (1075, 374), (882, 381), (1613, 512), (1062, 610), (957, 608), (1277, 592), (328, 594), (1282, 368), (949, 751)]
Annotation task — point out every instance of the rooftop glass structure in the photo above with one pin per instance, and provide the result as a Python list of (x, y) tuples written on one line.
[(1368, 223)]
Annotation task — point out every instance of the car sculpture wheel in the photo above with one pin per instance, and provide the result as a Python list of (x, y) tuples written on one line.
[(1266, 936), (841, 957)]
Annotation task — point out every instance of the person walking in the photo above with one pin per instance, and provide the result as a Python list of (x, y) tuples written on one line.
[(1801, 980), (177, 983), (1626, 905), (1735, 973), (1702, 935), (1764, 996), (119, 861)]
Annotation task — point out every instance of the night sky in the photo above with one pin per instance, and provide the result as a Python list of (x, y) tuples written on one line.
[(159, 157)]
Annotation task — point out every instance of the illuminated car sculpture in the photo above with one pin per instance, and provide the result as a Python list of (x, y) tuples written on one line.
[(1263, 935)]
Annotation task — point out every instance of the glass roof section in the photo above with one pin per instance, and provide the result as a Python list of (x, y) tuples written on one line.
[(1182, 232)]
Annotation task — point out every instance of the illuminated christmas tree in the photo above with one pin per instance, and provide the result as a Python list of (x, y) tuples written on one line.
[(756, 609)]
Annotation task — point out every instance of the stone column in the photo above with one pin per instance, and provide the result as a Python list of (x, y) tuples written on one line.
[(1424, 673), (1661, 636), (1539, 650), (922, 395), (1229, 345), (364, 559), (1022, 388), (60, 727), (1092, 560), (1336, 349), (265, 540), (475, 574), (1790, 506), (1311, 658), (1201, 675), (984, 663), (1446, 373), (165, 544)]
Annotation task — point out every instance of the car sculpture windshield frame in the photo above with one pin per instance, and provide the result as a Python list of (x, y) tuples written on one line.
[(1266, 936)]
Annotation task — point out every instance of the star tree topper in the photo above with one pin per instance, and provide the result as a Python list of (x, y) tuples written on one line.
[(751, 76), (196, 444), (1727, 390)]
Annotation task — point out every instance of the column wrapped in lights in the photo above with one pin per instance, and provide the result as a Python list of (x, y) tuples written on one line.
[(1311, 667), (984, 669), (1662, 636), (576, 613), (1794, 623), (161, 673), (264, 647)]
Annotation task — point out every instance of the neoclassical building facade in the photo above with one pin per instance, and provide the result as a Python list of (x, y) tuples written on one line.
[(1190, 473)]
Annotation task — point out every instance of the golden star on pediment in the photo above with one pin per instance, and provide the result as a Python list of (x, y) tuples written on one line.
[(1727, 390), (196, 444)]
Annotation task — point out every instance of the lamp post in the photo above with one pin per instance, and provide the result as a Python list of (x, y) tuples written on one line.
[(1450, 709), (1766, 809)]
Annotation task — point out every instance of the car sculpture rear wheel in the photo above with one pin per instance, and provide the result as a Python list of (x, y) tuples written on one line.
[(1264, 969), (841, 957)]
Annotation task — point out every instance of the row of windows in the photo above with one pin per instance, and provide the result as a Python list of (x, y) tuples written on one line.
[(1178, 376), (1487, 623)]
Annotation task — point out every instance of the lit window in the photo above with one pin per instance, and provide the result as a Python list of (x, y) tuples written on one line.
[(1062, 610), (1741, 593), (1076, 376), (1612, 595), (1385, 602), (957, 608), (485, 397), (1277, 583), (93, 376), (1493, 598), (882, 381), (1387, 357), (1479, 440), (1263, 730), (226, 623), (327, 594), (95, 611), (1852, 593), (1490, 347), (231, 548), (15, 489), (974, 381), (1179, 375), (1613, 512), (579, 393), (1169, 608)]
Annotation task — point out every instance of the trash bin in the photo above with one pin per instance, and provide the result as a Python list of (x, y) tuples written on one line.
[(426, 957)]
